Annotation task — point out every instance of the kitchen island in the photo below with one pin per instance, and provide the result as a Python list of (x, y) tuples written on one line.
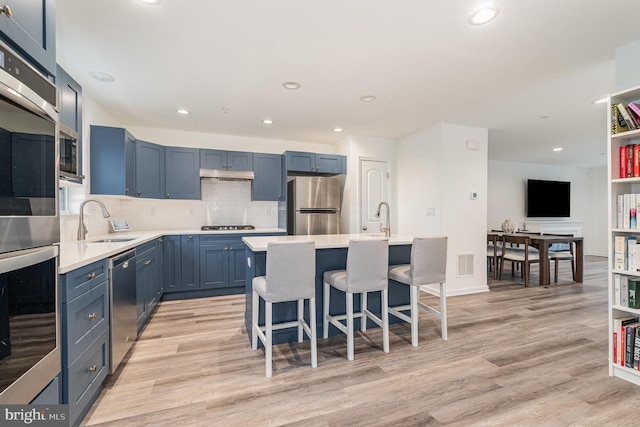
[(331, 254)]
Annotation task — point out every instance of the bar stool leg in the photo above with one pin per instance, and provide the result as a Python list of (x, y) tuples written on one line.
[(415, 295), (443, 311), (349, 297), (325, 310), (268, 345), (254, 320), (300, 319), (314, 344), (385, 320), (363, 319)]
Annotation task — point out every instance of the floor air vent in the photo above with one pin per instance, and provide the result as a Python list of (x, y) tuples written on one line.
[(465, 264)]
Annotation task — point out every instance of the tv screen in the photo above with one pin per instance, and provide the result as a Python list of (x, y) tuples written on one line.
[(548, 199)]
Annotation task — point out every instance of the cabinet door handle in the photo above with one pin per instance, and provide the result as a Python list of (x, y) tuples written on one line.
[(93, 368), (92, 316), (168, 195), (147, 262), (190, 237), (91, 276), (6, 10), (139, 193)]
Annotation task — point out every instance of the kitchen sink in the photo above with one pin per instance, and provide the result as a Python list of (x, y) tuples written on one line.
[(113, 240)]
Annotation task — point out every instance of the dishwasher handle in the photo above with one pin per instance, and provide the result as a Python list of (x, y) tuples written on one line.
[(122, 259)]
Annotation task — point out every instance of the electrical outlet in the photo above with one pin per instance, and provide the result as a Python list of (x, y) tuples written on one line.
[(190, 211), (152, 212), (431, 211)]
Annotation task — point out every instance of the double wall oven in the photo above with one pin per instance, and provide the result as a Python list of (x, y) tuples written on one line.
[(29, 230)]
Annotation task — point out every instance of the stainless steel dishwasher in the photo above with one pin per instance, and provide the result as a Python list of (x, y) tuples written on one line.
[(122, 298)]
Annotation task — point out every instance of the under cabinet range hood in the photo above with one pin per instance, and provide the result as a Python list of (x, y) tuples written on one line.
[(226, 175)]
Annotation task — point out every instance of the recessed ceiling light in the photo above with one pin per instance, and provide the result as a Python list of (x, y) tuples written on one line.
[(337, 129), (291, 85), (267, 121), (557, 149), (484, 15), (367, 98), (151, 2), (600, 101), (102, 77), (183, 111)]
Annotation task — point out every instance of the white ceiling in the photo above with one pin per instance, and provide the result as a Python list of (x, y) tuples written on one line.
[(226, 62)]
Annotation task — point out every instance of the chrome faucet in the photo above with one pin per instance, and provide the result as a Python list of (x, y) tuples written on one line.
[(387, 229), (82, 229)]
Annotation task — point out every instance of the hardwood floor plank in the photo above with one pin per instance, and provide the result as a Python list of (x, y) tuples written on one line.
[(515, 357)]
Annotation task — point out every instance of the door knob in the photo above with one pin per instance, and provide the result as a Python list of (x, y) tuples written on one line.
[(6, 10), (364, 227)]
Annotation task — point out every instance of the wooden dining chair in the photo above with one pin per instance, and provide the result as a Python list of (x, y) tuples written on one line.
[(563, 255), (494, 252), (516, 248)]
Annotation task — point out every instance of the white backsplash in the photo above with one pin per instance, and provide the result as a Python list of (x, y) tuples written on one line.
[(223, 202)]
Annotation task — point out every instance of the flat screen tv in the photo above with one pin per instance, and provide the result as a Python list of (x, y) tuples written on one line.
[(548, 199)]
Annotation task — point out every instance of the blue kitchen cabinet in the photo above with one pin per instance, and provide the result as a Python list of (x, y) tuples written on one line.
[(181, 173), (70, 123), (147, 277), (172, 263), (112, 161), (230, 160), (31, 31), (51, 394), (267, 184), (150, 167), (84, 297), (190, 262), (299, 161), (221, 261)]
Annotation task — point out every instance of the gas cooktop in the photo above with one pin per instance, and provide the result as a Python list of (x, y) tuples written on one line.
[(226, 227)]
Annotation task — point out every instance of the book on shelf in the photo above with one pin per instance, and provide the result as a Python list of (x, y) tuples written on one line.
[(629, 343), (631, 123), (636, 350), (634, 292), (619, 325), (632, 253), (620, 208), (634, 109), (618, 124), (632, 211), (636, 160), (626, 213), (623, 161), (620, 252), (629, 160), (616, 289), (624, 292)]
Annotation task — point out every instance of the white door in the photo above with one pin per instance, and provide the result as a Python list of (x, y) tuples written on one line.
[(374, 188)]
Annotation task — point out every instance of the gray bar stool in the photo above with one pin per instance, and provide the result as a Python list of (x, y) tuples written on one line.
[(367, 263), (290, 276), (428, 266)]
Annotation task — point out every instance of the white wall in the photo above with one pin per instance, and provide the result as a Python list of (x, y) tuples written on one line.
[(357, 148), (627, 65), (507, 181), (436, 174)]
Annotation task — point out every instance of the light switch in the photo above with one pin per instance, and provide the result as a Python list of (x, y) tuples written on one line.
[(473, 195)]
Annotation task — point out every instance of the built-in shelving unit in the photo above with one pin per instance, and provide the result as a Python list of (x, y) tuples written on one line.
[(619, 186)]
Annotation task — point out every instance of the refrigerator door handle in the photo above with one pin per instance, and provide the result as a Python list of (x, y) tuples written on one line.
[(317, 211)]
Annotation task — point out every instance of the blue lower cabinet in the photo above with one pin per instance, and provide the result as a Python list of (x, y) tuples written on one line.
[(84, 378), (222, 262), (85, 337), (147, 280)]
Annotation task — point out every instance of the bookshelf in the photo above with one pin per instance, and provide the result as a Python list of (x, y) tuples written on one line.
[(620, 186)]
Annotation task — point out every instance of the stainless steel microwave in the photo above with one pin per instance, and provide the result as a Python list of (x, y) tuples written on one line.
[(70, 154)]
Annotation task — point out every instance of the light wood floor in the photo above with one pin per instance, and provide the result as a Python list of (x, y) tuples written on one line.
[(515, 356)]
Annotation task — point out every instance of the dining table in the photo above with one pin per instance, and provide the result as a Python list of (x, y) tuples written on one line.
[(543, 242)]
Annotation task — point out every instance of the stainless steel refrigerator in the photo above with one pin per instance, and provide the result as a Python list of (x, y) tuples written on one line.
[(313, 205)]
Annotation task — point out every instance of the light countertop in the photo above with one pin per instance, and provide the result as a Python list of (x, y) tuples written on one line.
[(78, 254), (323, 241)]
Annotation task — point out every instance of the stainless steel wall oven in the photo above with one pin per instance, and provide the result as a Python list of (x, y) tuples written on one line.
[(29, 230)]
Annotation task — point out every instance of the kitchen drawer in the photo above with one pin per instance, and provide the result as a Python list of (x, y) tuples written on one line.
[(207, 239), (79, 281), (145, 247), (84, 319), (84, 377)]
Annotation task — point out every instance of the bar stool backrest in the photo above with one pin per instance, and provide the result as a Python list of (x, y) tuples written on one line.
[(367, 265), (428, 260), (291, 271)]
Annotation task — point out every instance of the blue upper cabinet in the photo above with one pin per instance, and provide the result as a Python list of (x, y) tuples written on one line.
[(112, 161), (31, 30), (181, 173), (150, 166), (298, 161), (267, 185), (231, 160)]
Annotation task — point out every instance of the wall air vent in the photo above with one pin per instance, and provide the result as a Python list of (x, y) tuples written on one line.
[(465, 264)]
